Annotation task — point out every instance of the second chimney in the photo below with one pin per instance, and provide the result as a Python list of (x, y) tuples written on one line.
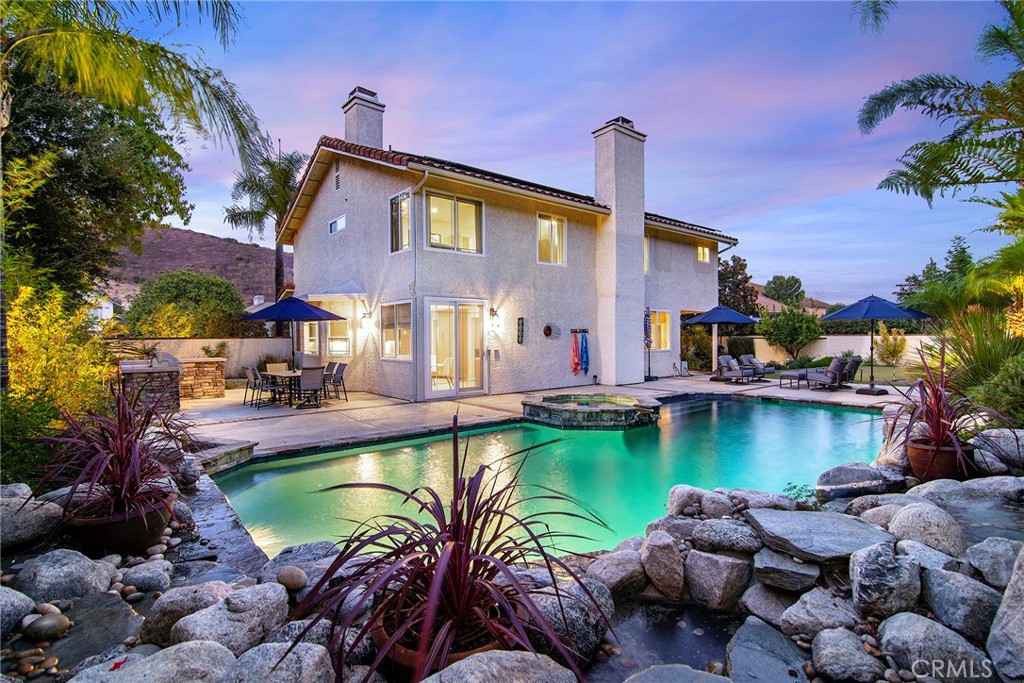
[(364, 118)]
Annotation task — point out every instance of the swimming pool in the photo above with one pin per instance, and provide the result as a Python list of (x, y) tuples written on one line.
[(624, 476)]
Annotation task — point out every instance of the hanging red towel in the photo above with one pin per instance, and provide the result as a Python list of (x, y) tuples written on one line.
[(574, 362)]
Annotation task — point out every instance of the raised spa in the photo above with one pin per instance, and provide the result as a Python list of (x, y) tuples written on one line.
[(591, 411)]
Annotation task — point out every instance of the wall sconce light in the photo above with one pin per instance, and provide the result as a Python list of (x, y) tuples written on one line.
[(494, 312), (367, 320)]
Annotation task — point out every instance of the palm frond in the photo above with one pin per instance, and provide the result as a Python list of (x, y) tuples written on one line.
[(872, 13), (1008, 40), (936, 94)]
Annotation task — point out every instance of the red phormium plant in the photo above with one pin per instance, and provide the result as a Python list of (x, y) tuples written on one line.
[(447, 584), (948, 416), (114, 462)]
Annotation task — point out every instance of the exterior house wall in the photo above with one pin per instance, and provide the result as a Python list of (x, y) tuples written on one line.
[(361, 253), (677, 282)]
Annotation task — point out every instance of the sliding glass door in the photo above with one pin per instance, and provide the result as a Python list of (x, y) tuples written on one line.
[(455, 347)]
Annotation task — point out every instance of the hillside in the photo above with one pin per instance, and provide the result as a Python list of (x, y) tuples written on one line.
[(248, 266)]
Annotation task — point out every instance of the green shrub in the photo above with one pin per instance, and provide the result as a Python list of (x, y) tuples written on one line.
[(805, 495), (791, 329), (891, 345), (1004, 391), (741, 346), (25, 418), (807, 361), (261, 363), (219, 350), (695, 347)]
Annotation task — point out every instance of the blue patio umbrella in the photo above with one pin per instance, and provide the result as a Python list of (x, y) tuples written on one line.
[(294, 309), (717, 315), (874, 308)]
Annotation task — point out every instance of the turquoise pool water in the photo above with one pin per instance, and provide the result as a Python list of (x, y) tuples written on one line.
[(624, 476)]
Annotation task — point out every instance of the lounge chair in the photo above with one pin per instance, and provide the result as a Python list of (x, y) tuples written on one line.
[(748, 360), (730, 369), (850, 372), (829, 378), (311, 383)]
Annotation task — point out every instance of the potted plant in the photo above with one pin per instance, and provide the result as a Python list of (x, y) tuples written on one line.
[(119, 491), (936, 423), (441, 583)]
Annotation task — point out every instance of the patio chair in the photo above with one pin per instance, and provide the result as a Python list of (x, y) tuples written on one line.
[(277, 367), (311, 383), (730, 369), (338, 380), (328, 374), (829, 378), (253, 383), (748, 360), (850, 372)]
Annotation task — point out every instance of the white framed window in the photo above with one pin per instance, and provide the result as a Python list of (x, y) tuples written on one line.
[(337, 225), (311, 338), (661, 331), (647, 255), (455, 224), (703, 254), (400, 221), (396, 331), (550, 239)]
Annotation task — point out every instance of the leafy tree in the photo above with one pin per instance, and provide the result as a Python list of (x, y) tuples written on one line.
[(986, 144), (958, 264), (114, 172), (785, 288), (791, 329), (734, 288), (194, 303), (268, 188), (891, 344), (959, 261)]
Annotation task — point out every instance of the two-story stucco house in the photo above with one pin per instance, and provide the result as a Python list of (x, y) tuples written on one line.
[(457, 281)]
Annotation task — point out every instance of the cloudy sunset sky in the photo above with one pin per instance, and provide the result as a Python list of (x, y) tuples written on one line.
[(750, 111)]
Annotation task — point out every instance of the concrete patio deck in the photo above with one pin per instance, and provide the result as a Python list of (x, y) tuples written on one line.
[(368, 417)]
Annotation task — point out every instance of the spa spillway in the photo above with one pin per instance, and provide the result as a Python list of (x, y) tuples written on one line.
[(591, 411)]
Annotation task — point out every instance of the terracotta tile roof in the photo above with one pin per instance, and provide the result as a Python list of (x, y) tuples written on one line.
[(404, 158), (676, 223)]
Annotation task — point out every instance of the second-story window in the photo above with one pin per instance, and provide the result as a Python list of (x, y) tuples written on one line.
[(401, 231), (703, 254), (550, 239), (455, 223)]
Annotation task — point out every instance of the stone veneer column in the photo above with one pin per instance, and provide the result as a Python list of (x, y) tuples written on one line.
[(619, 183)]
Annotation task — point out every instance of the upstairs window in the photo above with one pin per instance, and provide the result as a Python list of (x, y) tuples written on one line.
[(455, 223), (396, 331), (661, 331), (401, 230), (550, 239), (703, 254), (337, 225)]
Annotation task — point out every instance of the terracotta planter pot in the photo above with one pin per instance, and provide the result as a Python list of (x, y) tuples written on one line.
[(128, 534), (403, 660), (930, 463)]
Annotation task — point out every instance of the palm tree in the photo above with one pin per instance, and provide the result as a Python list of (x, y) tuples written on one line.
[(986, 144), (268, 185), (89, 46), (1003, 274)]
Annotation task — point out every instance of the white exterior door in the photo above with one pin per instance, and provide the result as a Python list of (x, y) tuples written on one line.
[(455, 347)]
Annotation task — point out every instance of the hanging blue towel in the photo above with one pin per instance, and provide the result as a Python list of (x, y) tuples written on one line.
[(584, 354)]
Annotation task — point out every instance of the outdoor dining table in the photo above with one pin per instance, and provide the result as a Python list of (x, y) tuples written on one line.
[(287, 379)]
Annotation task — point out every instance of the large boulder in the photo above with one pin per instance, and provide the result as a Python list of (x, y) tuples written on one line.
[(926, 556), (766, 603), (1006, 637), (194, 661), (273, 663), (861, 504), (814, 536), (27, 522), (881, 515), (816, 611), (961, 603), (884, 583), (584, 625), (622, 572), (715, 504), (759, 653), (781, 571), (177, 603), (300, 556), (952, 492), (674, 673), (930, 525), (240, 622), (61, 574), (679, 528), (1005, 444), (839, 654), (664, 565), (855, 479), (716, 535), (752, 499), (928, 648), (503, 666), (716, 581), (13, 608), (154, 575), (993, 560), (684, 496)]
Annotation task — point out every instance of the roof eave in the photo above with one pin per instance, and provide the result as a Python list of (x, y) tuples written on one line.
[(694, 232)]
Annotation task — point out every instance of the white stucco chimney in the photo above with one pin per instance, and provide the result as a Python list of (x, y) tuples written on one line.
[(364, 118), (619, 184)]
